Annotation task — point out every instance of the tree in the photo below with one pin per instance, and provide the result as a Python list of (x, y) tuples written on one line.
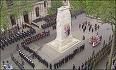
[(54, 5)]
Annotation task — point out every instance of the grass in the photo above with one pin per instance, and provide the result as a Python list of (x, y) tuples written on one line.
[(54, 5), (103, 9)]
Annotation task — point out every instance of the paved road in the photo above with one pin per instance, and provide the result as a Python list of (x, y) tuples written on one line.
[(80, 58)]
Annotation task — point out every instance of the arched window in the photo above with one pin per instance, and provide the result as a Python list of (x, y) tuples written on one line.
[(37, 11), (44, 3), (26, 18), (12, 18)]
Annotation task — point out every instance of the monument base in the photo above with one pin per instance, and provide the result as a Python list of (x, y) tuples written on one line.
[(53, 51), (62, 46)]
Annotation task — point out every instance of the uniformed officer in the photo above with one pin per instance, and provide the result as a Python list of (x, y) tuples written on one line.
[(51, 66)]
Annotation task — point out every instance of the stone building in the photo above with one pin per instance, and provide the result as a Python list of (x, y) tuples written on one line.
[(38, 9), (18, 15)]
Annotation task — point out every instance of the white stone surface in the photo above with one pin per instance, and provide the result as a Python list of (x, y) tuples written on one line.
[(64, 42), (64, 39), (63, 23), (52, 56), (62, 46)]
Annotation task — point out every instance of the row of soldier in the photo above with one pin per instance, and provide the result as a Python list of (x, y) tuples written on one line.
[(17, 62), (54, 27), (26, 48), (50, 18), (18, 36), (26, 59), (35, 54), (8, 32), (46, 18), (84, 66), (36, 37), (43, 61), (48, 24), (50, 21), (88, 65), (68, 57)]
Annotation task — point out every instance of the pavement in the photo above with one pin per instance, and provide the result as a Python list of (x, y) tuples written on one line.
[(105, 30)]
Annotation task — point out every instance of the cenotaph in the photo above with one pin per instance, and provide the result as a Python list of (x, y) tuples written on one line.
[(64, 41)]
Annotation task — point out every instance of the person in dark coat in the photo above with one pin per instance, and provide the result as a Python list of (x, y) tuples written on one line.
[(89, 28), (82, 26), (83, 37), (82, 66), (54, 66), (74, 67), (3, 62), (51, 66), (79, 26), (92, 30)]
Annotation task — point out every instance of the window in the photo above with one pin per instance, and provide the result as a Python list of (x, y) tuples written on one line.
[(26, 18), (37, 11), (44, 3)]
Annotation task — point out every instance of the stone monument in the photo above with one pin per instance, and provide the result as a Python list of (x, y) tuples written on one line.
[(64, 41)]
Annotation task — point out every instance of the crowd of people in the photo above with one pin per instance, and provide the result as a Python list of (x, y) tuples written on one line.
[(50, 18), (14, 38), (6, 65), (33, 39), (90, 27), (35, 54), (88, 65), (36, 37), (58, 64), (17, 62), (48, 24), (26, 59), (68, 57), (11, 31), (95, 58), (50, 21)]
